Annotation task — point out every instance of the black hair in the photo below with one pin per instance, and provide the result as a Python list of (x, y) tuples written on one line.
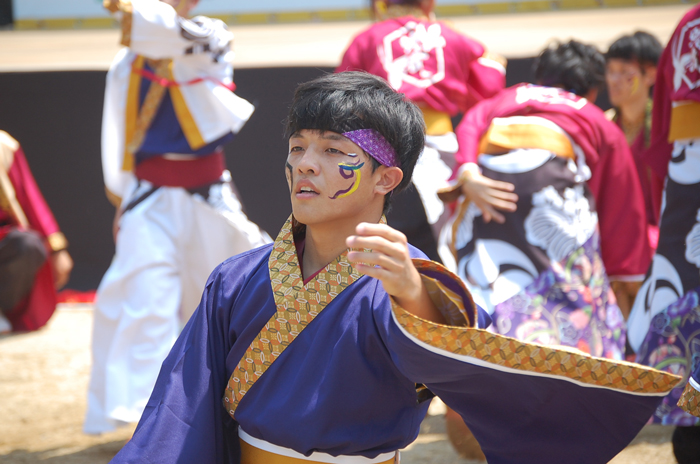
[(573, 66), (352, 100), (641, 47)]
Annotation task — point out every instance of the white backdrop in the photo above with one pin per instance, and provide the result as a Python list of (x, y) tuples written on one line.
[(54, 9)]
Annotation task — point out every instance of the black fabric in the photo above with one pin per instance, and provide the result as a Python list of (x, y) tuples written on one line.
[(22, 253), (686, 445), (61, 135), (555, 173), (677, 220), (408, 215)]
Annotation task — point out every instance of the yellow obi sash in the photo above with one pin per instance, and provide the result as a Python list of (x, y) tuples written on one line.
[(685, 121), (256, 451), (506, 134), (436, 122)]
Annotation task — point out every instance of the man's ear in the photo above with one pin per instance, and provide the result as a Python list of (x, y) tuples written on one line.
[(649, 74), (389, 179)]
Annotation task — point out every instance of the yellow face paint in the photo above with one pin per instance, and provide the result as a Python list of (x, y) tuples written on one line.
[(635, 85), (352, 170)]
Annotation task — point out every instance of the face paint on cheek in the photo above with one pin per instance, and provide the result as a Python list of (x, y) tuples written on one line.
[(290, 176), (635, 85), (348, 170)]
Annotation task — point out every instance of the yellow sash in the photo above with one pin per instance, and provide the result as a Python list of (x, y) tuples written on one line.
[(685, 121), (502, 138), (436, 122)]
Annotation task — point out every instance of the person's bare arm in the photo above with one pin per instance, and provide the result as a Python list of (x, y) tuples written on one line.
[(61, 265)]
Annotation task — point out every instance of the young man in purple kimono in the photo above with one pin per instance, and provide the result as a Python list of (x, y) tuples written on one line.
[(326, 346)]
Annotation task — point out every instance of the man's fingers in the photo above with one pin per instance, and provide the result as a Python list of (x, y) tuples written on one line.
[(496, 216), (380, 230), (503, 205), (497, 184), (372, 259), (371, 271), (507, 196), (376, 243)]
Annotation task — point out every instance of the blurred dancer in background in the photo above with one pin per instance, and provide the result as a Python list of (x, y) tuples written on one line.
[(525, 235), (445, 73), (630, 73), (168, 111), (542, 228), (664, 327), (34, 261)]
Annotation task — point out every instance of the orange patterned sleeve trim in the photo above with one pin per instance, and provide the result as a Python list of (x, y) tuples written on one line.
[(478, 346), (690, 400)]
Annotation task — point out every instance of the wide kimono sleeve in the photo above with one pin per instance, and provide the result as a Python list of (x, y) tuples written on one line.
[(473, 126), (620, 206), (690, 399), (525, 403), (154, 29), (32, 203), (184, 420), (487, 74)]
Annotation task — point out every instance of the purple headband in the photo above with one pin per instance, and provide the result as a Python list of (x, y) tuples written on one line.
[(375, 145)]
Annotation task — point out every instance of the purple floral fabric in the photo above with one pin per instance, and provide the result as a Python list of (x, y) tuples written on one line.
[(570, 303), (673, 345)]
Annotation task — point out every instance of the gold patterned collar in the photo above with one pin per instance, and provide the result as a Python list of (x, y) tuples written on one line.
[(297, 304)]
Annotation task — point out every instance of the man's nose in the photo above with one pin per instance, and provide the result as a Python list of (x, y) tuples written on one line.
[(309, 161)]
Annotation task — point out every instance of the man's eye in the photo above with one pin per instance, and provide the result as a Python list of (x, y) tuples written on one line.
[(295, 149), (335, 151)]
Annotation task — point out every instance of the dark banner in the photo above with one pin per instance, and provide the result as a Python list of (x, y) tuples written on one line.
[(56, 116)]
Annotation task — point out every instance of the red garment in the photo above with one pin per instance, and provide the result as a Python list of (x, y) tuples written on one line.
[(652, 184), (431, 63), (35, 310), (614, 181), (652, 188), (673, 85)]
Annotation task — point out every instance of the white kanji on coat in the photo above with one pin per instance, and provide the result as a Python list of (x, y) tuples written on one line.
[(418, 45), (685, 56)]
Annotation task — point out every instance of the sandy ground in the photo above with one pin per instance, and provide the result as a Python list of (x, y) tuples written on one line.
[(43, 380), (322, 44)]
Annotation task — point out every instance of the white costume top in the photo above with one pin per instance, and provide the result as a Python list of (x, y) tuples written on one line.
[(199, 72)]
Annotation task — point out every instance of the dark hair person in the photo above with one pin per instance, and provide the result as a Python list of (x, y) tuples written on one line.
[(630, 74)]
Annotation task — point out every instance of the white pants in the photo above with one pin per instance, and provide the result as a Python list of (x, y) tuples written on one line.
[(433, 169), (166, 248)]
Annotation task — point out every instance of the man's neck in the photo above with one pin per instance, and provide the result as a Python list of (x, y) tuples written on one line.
[(325, 242)]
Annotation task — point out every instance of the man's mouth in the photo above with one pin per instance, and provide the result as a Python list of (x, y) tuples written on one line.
[(306, 189)]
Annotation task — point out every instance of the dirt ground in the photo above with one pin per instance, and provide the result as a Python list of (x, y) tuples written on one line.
[(43, 383)]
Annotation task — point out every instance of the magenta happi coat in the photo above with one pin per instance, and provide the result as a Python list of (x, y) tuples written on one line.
[(433, 64), (543, 274), (22, 206), (664, 325)]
